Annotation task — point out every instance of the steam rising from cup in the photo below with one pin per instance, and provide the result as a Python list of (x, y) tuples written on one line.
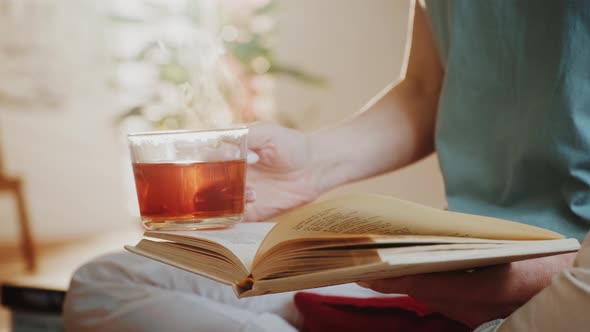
[(203, 100)]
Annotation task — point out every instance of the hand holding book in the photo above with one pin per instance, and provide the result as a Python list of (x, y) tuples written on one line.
[(482, 295), (357, 237)]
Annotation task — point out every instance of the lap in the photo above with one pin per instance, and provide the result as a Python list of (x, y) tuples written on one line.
[(130, 292)]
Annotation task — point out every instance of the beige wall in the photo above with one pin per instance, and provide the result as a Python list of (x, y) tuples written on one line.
[(358, 46), (70, 155), (74, 161)]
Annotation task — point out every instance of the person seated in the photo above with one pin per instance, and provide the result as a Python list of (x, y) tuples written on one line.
[(500, 91)]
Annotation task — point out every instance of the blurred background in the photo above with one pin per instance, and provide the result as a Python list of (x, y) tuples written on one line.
[(77, 75)]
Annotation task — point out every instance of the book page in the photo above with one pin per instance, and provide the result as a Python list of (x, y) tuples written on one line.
[(243, 240), (363, 214), (395, 262)]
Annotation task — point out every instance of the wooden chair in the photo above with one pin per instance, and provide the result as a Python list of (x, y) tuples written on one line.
[(14, 186)]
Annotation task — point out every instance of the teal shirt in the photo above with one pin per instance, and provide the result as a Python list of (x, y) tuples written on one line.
[(513, 127)]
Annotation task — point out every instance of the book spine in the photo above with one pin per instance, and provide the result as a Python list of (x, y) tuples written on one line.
[(29, 299)]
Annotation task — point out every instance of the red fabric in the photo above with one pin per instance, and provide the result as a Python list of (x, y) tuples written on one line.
[(403, 313)]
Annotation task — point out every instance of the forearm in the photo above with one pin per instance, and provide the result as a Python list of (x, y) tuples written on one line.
[(393, 132)]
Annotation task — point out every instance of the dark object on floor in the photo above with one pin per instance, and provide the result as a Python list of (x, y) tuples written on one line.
[(33, 309)]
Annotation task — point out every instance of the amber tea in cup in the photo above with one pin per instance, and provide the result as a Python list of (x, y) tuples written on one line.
[(190, 179)]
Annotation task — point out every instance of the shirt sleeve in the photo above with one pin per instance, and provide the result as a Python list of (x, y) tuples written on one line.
[(563, 306)]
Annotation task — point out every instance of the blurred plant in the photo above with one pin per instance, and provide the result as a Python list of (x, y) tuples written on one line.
[(162, 45)]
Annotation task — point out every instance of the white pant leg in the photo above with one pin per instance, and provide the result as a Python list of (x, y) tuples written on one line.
[(128, 292)]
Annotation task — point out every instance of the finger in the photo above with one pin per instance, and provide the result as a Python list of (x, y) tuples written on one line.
[(250, 213), (442, 284), (419, 283), (250, 195), (252, 157), (258, 212)]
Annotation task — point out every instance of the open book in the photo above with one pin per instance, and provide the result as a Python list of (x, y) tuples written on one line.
[(352, 238)]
